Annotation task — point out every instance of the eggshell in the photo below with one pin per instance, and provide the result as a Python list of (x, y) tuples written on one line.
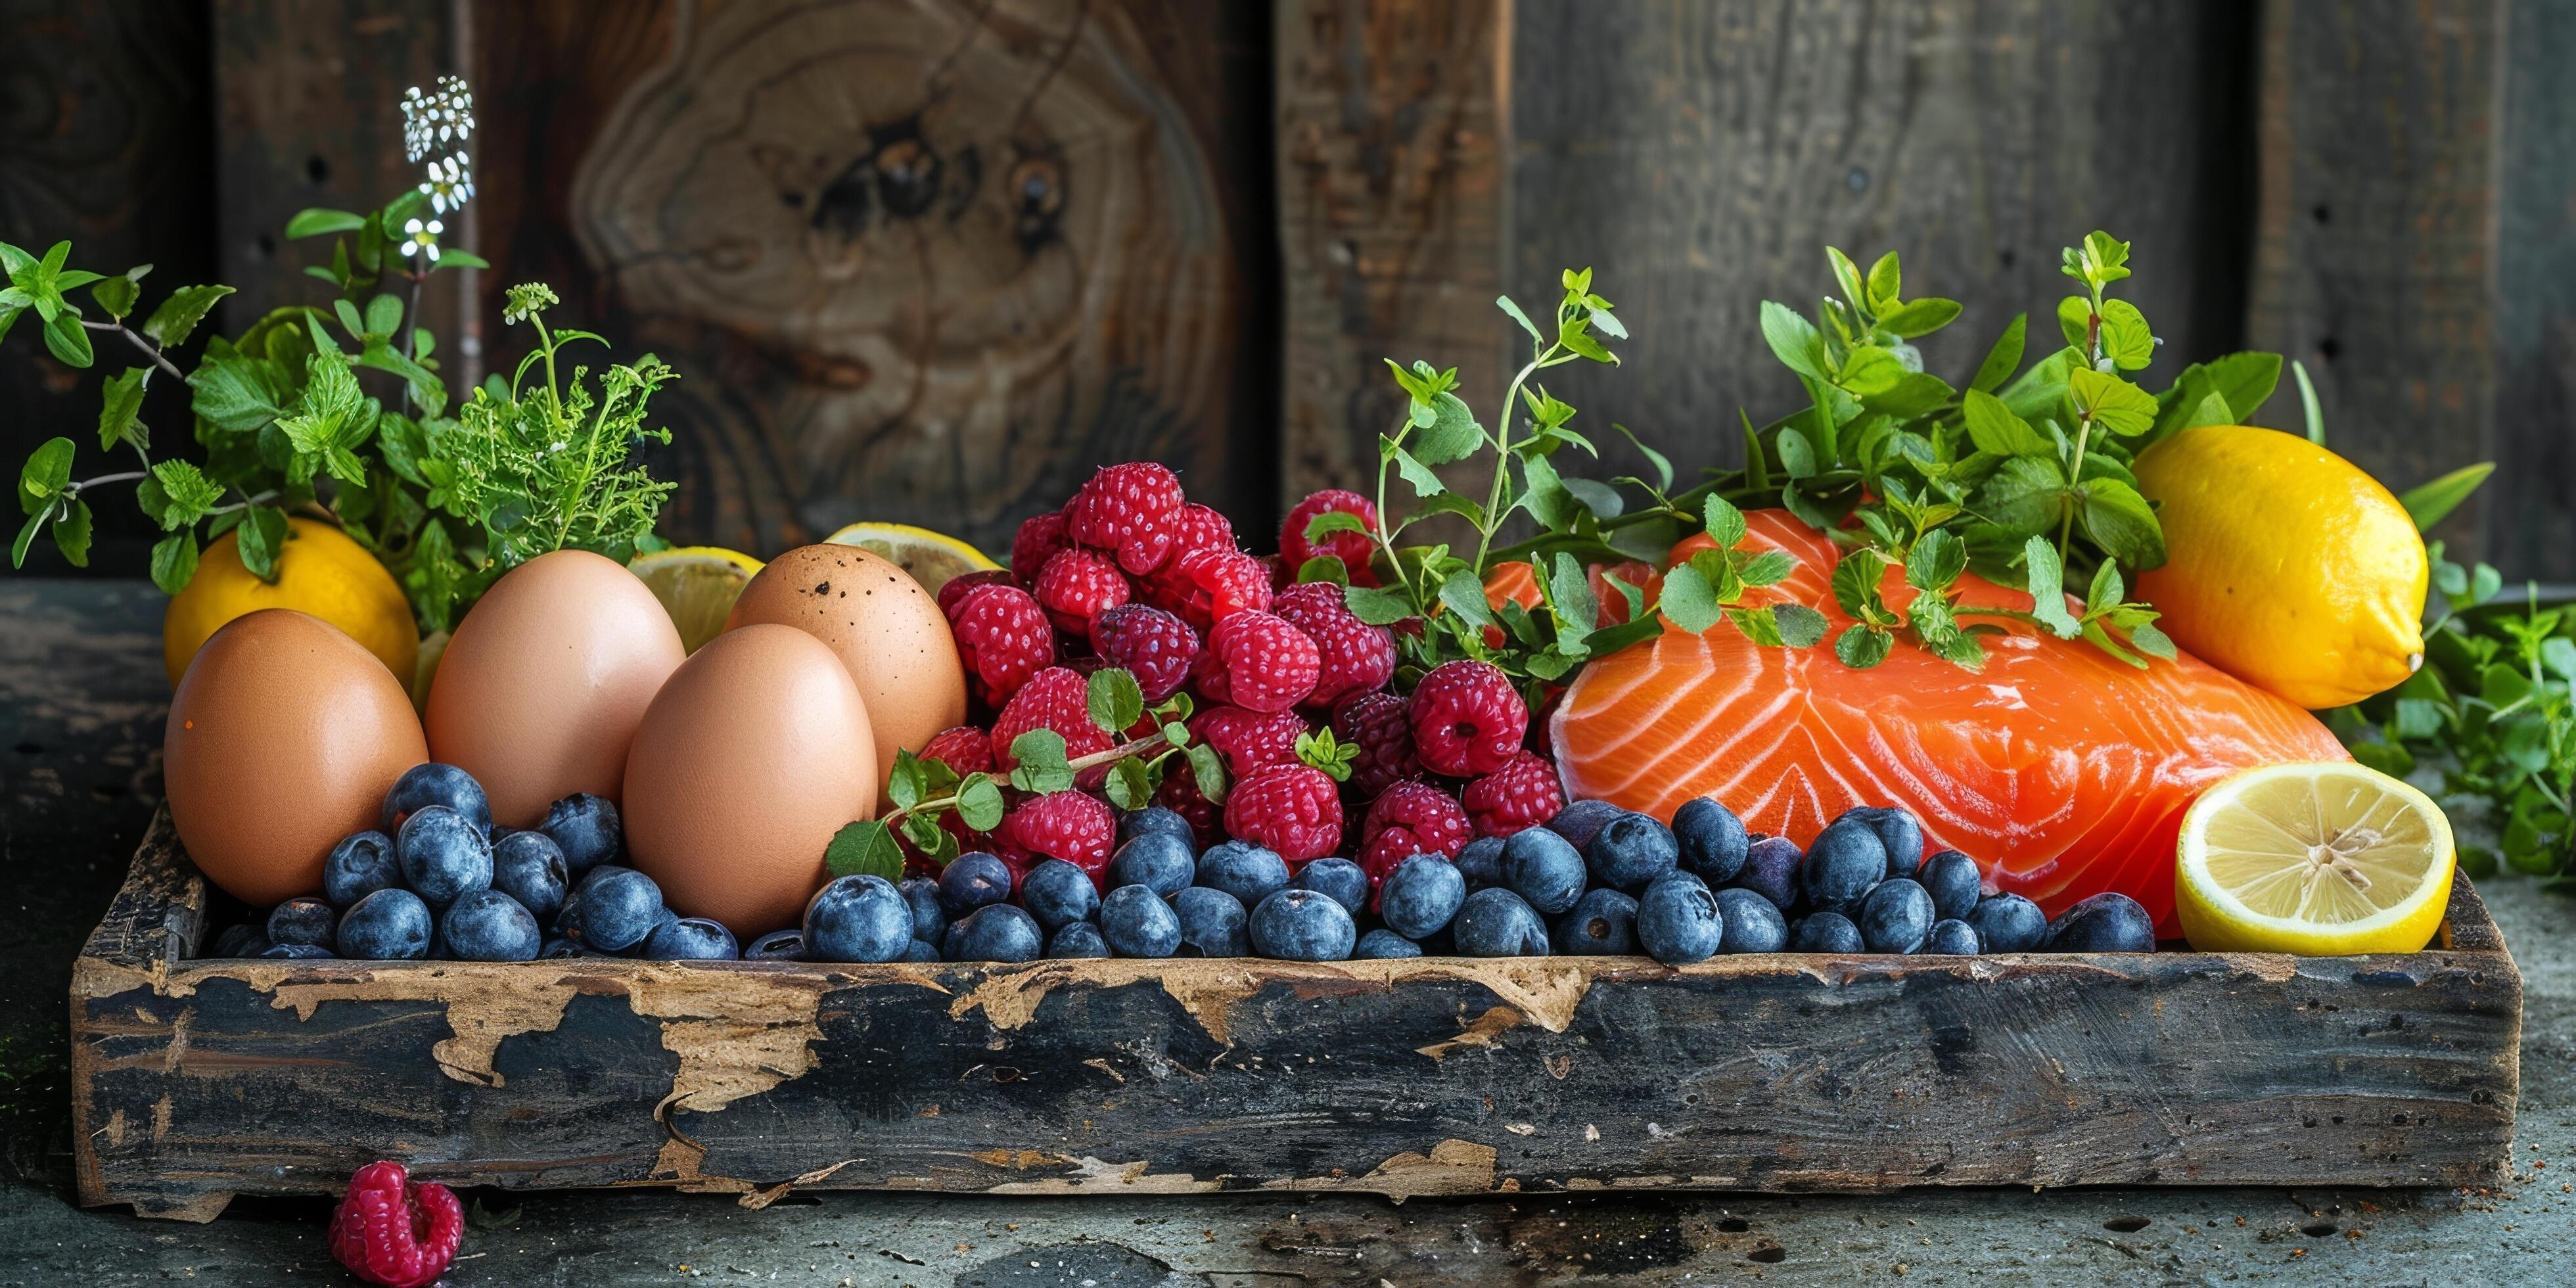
[(753, 754), (543, 683), (284, 736), (885, 628)]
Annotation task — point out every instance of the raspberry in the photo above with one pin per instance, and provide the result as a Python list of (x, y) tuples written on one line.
[(394, 1231), (1127, 510), (1003, 637), (1376, 724), (1352, 548), (1039, 538), (1071, 826), (965, 749), (1410, 819), (1249, 740), (1258, 662), (1293, 809), (1466, 718), (1180, 794), (1056, 698), (1200, 528), (1155, 646), (1076, 584), (956, 588), (1357, 657), (1208, 585), (1523, 793)]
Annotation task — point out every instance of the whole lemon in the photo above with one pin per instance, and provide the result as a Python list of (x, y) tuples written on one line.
[(2286, 566), (319, 571)]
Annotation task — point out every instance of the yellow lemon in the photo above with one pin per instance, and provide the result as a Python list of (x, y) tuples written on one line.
[(697, 586), (931, 557), (2320, 860), (319, 571), (2286, 566)]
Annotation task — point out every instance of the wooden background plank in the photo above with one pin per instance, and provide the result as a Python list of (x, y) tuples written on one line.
[(2531, 504)]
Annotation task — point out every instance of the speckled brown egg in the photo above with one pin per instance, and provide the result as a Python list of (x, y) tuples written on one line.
[(884, 627), (543, 683), (284, 736), (753, 754)]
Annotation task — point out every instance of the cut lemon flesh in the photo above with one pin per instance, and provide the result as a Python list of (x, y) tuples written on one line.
[(2318, 860), (931, 557), (697, 586)]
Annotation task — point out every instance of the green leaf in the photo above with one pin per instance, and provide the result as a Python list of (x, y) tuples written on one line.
[(1856, 580), (1207, 772), (179, 315), (1116, 701), (1663, 465), (116, 295), (1129, 786), (1847, 277), (1689, 602), (2002, 359), (1861, 647), (1938, 559), (262, 535), (71, 531), (2111, 402), (2430, 503), (1919, 317), (1993, 428), (866, 848), (2126, 341), (1912, 395), (315, 221), (451, 257), (1329, 568), (1870, 370), (1793, 339), (1582, 343), (1377, 607), (979, 802), (186, 493), (121, 401), (1424, 482), (2106, 590), (2147, 639), (1725, 523), (1797, 455), (2308, 406), (1452, 435), (2210, 410), (1611, 639), (2122, 523), (27, 535), (384, 314), (1885, 281), (238, 395), (1462, 594), (1570, 594), (2045, 579), (68, 339), (41, 479), (1038, 762), (1545, 497), (174, 562), (2075, 322), (2245, 381), (1331, 521), (2026, 494), (1504, 302)]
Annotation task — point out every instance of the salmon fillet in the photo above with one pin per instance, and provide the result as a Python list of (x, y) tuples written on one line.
[(2063, 771)]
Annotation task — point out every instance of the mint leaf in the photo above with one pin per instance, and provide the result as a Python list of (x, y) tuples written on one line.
[(1117, 702), (1769, 568), (238, 394), (1424, 482), (1994, 428), (315, 221), (1324, 568), (1856, 581), (1794, 341), (179, 315), (2002, 359), (1129, 786), (121, 400), (42, 478), (66, 338), (2245, 381), (1545, 496), (2111, 402), (2120, 521), (116, 295), (2025, 495), (1207, 772), (1377, 607), (1938, 559), (1329, 522), (2148, 639), (174, 562), (979, 802), (1797, 455), (71, 531), (2126, 341), (1690, 603), (1464, 595), (1039, 763), (2045, 579), (1862, 646), (1452, 435), (864, 849), (1725, 522), (27, 536), (1570, 594), (1870, 370), (1919, 317), (186, 494), (261, 535)]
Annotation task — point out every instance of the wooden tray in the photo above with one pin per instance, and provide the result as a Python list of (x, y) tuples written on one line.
[(195, 1081)]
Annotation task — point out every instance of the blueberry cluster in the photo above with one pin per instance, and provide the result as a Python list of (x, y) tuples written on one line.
[(441, 879)]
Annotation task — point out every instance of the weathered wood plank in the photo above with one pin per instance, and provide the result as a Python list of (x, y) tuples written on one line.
[(2532, 500)]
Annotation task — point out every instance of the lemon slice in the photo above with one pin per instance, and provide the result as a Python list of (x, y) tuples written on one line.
[(697, 586), (931, 557), (2318, 860)]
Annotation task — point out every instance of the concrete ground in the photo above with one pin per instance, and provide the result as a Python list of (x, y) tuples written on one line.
[(81, 703)]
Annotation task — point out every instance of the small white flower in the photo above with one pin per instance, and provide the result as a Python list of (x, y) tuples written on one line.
[(450, 184), (436, 119), (421, 239)]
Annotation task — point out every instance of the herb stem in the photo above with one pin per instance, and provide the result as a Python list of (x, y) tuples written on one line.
[(102, 480), (150, 350), (1077, 765), (1503, 448)]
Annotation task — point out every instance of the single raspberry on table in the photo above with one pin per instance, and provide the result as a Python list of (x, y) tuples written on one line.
[(956, 588), (1003, 637), (396, 1232), (1293, 809), (1259, 662), (1073, 826), (1378, 725), (1352, 548), (1207, 586), (1249, 740), (1039, 538), (1155, 646), (1180, 794), (1407, 819), (1056, 698), (965, 749), (1127, 510), (1523, 793), (1467, 719), (1076, 584), (1356, 656)]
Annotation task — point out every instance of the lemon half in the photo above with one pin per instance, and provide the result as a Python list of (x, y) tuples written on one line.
[(697, 586), (2319, 860), (931, 557)]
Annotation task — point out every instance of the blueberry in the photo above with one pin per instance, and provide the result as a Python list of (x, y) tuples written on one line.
[(1753, 923), (1213, 923), (1771, 870), (1952, 878), (1678, 921), (1077, 939), (1845, 861), (857, 919), (314, 952), (778, 945), (1481, 862), (1137, 923), (1384, 945), (2106, 923), (1897, 832), (1544, 869), (424, 785), (442, 854), (973, 880), (1712, 839), (1628, 853), (921, 894), (587, 829), (1603, 923), (691, 939), (305, 920), (996, 932), (613, 908), (920, 950), (1421, 895), (359, 866), (1499, 923), (1951, 938), (557, 947), (1577, 822), (387, 926), (240, 940), (1895, 916), (2008, 923), (1339, 879), (1303, 926), (529, 867), (1157, 859), (1826, 932), (1242, 869), (1058, 893), (1154, 820), (488, 926)]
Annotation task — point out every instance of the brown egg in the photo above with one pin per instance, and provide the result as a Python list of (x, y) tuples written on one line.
[(284, 737), (753, 754), (886, 629), (542, 685)]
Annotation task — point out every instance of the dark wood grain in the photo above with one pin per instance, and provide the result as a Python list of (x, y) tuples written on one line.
[(2531, 503)]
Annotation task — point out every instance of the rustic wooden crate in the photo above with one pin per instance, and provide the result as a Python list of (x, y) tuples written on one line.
[(198, 1080)]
